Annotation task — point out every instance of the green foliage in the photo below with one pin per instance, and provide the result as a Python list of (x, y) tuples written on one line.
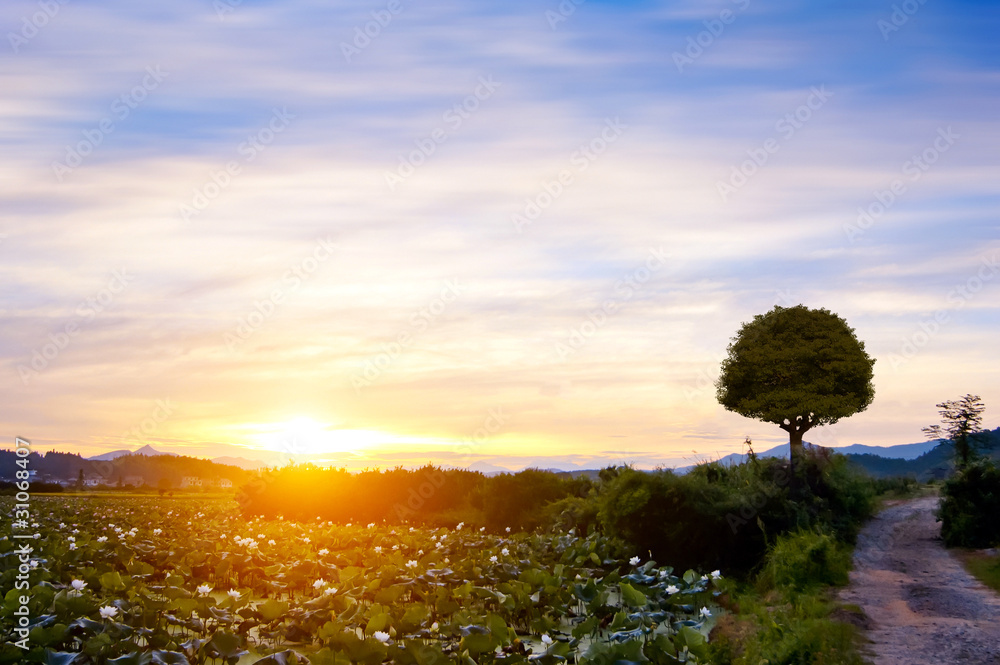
[(962, 421), (805, 560), (722, 517), (183, 582), (784, 617), (428, 495), (970, 507), (797, 368)]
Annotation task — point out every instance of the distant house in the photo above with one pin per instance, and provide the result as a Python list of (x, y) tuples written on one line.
[(225, 483), (190, 481), (93, 482)]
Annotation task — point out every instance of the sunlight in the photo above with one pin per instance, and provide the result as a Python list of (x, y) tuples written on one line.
[(306, 436)]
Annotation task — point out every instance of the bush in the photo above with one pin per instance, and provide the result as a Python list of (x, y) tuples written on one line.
[(722, 517), (970, 507), (804, 560)]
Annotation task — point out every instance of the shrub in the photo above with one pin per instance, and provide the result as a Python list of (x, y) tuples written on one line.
[(722, 517), (804, 560), (970, 507)]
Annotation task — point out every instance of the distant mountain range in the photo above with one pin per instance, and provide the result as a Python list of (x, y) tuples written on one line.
[(115, 454), (924, 460)]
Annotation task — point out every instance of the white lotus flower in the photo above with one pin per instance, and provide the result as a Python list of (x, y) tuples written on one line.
[(271, 542), (319, 583), (507, 529), (78, 585), (204, 590), (493, 559), (330, 590), (411, 564), (716, 574), (72, 546), (546, 640), (634, 561), (234, 594), (705, 613), (102, 539), (157, 532), (108, 612), (505, 551), (435, 627), (672, 589), (324, 552), (378, 549), (381, 637)]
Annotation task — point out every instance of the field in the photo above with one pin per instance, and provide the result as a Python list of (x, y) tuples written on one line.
[(134, 580)]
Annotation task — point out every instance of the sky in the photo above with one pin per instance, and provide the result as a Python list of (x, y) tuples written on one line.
[(488, 234)]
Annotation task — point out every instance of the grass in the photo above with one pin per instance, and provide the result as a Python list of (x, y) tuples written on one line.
[(984, 567), (788, 615)]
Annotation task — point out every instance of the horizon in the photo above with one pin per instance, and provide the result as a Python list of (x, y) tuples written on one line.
[(484, 232)]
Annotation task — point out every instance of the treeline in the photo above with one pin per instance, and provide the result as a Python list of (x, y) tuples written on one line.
[(713, 517), (156, 470), (428, 495)]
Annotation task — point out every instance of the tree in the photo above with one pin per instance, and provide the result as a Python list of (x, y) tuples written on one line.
[(963, 420), (797, 368)]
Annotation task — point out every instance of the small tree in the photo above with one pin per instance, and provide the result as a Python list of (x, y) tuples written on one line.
[(963, 420), (797, 368)]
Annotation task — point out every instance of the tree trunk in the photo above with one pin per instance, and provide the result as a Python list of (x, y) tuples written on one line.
[(794, 457)]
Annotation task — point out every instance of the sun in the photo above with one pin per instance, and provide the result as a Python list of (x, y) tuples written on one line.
[(305, 436)]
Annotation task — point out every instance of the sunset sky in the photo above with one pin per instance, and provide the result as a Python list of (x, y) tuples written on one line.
[(495, 233)]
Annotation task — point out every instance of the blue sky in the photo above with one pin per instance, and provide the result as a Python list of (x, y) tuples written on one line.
[(287, 199)]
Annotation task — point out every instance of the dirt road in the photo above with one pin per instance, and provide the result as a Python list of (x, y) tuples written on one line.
[(922, 606)]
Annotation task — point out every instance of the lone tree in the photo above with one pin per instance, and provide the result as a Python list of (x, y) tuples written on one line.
[(963, 420), (797, 368)]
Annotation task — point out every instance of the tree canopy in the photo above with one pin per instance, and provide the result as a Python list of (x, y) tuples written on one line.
[(963, 422), (797, 368)]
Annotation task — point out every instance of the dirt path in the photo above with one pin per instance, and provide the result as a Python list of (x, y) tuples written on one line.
[(922, 605)]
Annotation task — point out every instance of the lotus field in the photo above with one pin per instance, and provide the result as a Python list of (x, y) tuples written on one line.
[(135, 580)]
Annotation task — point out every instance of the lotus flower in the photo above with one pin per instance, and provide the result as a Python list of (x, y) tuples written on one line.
[(546, 640), (78, 585), (234, 594), (634, 561), (716, 574), (108, 612), (672, 589), (319, 583), (381, 637), (705, 613), (204, 590)]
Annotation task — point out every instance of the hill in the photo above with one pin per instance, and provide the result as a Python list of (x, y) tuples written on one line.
[(935, 463)]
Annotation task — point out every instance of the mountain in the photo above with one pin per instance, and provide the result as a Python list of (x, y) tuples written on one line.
[(903, 452), (147, 450), (936, 463), (241, 462)]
